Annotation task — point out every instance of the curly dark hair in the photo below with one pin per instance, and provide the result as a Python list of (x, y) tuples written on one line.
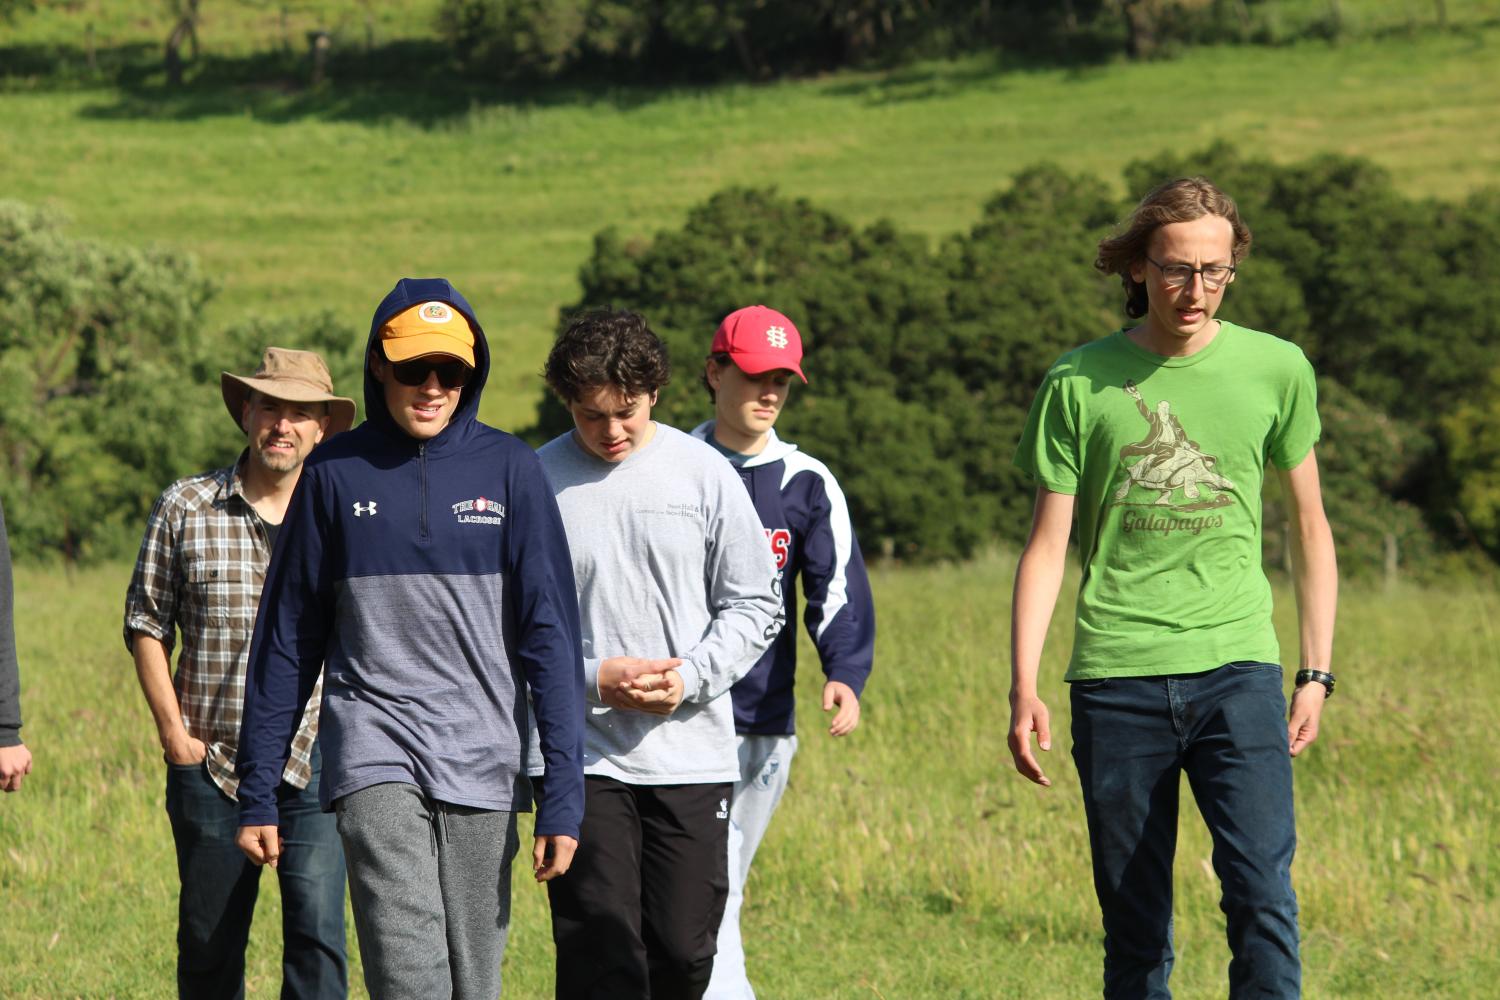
[(1180, 200), (607, 347)]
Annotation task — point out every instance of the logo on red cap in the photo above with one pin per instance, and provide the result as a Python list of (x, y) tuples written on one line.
[(759, 339)]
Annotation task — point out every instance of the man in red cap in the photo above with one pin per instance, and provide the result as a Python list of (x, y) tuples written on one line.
[(200, 570), (754, 355)]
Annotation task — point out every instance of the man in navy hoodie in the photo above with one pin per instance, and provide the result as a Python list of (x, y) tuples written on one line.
[(423, 561), (754, 355)]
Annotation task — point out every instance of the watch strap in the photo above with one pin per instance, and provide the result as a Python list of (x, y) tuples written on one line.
[(1316, 677)]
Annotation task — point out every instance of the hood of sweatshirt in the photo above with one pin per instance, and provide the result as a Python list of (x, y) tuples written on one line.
[(774, 451), (413, 292)]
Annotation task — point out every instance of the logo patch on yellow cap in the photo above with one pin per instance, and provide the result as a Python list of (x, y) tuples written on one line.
[(429, 328)]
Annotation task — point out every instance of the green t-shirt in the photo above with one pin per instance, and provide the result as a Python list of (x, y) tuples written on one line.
[(1166, 457)]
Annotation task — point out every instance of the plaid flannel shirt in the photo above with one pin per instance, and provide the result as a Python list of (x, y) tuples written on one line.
[(201, 568)]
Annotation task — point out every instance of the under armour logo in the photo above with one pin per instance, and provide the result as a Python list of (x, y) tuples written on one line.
[(776, 336), (360, 509), (723, 812)]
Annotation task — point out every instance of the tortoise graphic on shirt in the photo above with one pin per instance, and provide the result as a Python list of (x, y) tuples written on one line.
[(1166, 461)]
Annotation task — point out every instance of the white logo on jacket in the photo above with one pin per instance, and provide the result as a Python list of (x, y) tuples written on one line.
[(485, 511), (361, 509)]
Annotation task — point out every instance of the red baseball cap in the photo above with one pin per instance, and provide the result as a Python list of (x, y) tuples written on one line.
[(758, 339)]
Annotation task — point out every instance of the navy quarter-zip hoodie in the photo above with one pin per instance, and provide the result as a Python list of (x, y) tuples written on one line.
[(806, 520), (432, 582)]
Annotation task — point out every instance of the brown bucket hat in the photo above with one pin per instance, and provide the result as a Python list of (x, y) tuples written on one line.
[(294, 376)]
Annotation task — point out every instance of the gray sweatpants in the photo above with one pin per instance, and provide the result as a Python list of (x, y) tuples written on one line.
[(430, 886), (765, 765)]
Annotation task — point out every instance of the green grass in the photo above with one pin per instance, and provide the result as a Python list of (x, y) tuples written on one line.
[(301, 199), (908, 861)]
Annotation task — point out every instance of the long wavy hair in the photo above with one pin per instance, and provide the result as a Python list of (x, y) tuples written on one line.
[(1180, 200)]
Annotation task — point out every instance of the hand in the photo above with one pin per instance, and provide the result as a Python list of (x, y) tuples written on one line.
[(1306, 712), (15, 765), (618, 676), (184, 749), (658, 694), (552, 856), (847, 717), (261, 844), (1027, 715)]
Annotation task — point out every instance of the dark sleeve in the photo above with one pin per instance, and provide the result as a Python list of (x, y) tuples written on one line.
[(840, 613), (286, 650), (544, 608), (10, 671)]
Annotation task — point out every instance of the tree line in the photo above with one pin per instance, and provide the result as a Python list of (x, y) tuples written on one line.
[(758, 39), (533, 41), (923, 357)]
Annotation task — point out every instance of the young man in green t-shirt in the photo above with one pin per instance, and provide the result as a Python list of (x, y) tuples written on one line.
[(1156, 438)]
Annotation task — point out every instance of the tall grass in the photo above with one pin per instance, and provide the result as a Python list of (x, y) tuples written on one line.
[(908, 861)]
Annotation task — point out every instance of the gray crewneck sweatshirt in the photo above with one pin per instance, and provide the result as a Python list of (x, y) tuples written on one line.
[(670, 560)]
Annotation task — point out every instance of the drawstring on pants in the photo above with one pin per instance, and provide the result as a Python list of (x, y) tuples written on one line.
[(437, 819)]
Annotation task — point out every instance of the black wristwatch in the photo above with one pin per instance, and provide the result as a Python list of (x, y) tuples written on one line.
[(1316, 677)]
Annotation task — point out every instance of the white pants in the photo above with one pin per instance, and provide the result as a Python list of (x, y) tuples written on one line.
[(765, 762)]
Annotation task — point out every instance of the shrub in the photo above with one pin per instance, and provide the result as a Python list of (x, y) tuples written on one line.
[(109, 383)]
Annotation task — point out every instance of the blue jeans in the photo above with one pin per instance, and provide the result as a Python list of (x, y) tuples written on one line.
[(219, 886), (1132, 737)]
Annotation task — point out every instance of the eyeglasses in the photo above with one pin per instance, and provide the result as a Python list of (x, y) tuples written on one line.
[(450, 374), (1215, 276)]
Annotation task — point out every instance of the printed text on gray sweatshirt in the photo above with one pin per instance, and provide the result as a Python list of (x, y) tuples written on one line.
[(670, 560)]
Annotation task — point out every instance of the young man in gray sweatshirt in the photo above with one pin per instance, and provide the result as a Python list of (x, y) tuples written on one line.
[(677, 596)]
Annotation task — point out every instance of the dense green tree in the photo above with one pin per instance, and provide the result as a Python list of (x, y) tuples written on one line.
[(756, 39), (1366, 460), (925, 359), (12, 9), (109, 384), (1471, 433)]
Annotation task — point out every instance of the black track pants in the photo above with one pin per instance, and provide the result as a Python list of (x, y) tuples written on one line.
[(637, 914)]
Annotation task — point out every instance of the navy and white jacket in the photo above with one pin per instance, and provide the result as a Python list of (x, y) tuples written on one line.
[(432, 581), (806, 520)]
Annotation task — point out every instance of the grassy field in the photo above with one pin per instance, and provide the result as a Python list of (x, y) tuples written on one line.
[(300, 199), (908, 861)]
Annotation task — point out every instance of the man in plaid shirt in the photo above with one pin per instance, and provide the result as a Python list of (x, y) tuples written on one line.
[(200, 570)]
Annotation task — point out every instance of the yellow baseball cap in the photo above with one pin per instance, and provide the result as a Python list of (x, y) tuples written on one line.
[(430, 328)]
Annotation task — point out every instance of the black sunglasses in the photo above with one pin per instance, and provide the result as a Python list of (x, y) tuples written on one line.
[(450, 374)]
